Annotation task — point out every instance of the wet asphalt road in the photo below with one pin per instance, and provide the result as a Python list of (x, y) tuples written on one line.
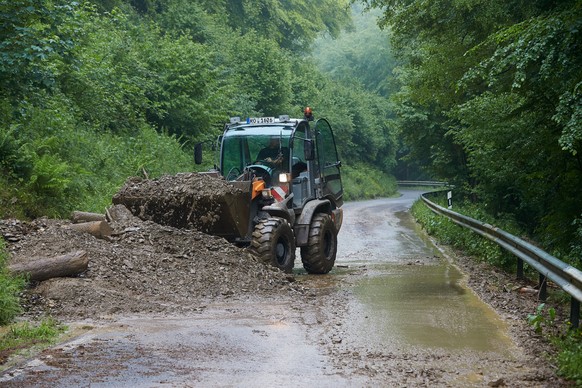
[(393, 312)]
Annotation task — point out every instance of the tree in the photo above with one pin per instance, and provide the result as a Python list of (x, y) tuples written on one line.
[(490, 99), (293, 24)]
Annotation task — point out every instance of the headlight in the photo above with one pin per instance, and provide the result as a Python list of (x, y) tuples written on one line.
[(267, 193), (285, 178)]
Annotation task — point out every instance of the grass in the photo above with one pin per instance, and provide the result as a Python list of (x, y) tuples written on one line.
[(10, 288), (24, 335), (17, 336)]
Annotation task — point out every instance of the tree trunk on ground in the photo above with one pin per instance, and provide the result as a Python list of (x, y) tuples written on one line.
[(99, 229), (40, 269), (78, 217)]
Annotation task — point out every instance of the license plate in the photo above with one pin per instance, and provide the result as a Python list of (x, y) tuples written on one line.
[(261, 120)]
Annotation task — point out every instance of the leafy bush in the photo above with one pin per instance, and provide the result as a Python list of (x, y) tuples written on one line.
[(363, 182)]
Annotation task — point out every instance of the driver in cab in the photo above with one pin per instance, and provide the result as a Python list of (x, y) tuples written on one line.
[(274, 154)]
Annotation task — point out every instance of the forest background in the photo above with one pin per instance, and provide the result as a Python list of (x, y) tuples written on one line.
[(483, 94)]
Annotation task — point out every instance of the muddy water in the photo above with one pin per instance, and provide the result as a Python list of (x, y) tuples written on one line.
[(408, 296), (425, 306), (412, 294)]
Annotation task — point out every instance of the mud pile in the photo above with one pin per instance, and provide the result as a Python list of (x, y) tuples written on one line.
[(189, 200), (144, 267)]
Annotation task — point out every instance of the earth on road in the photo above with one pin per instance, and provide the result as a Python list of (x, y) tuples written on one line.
[(156, 269)]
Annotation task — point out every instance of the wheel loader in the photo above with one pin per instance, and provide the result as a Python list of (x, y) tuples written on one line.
[(290, 190)]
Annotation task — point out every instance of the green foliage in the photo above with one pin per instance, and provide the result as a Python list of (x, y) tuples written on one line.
[(362, 54), (264, 78), (10, 288), (363, 182), (490, 100), (34, 40), (472, 244), (570, 356), (95, 92), (292, 24), (25, 334), (569, 345), (539, 319)]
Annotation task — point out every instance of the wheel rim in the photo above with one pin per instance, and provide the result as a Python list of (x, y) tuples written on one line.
[(281, 251), (328, 244)]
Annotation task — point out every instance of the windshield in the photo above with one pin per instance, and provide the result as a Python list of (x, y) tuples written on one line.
[(241, 148)]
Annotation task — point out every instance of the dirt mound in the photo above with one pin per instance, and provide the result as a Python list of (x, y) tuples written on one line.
[(144, 267), (189, 200)]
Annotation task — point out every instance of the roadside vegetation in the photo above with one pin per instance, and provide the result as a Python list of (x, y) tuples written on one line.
[(10, 288), (93, 92), (489, 98), (543, 320), (25, 336), (16, 336)]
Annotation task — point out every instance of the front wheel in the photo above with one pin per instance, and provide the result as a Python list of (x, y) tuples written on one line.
[(274, 243), (318, 256)]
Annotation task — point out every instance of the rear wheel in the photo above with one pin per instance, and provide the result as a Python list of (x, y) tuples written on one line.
[(274, 243), (318, 256)]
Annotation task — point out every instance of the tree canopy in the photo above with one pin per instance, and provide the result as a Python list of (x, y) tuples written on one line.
[(92, 92), (491, 100)]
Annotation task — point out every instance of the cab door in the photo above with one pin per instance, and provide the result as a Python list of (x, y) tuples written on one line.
[(328, 160)]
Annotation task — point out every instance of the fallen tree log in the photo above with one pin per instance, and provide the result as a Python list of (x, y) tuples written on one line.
[(79, 216), (40, 269), (99, 229)]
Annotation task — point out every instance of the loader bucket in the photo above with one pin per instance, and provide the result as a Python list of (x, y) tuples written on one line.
[(200, 201), (230, 214)]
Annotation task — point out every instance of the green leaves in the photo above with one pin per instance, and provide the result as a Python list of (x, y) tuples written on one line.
[(35, 36), (491, 100), (94, 92)]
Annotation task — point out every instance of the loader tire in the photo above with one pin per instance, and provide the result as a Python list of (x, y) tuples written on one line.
[(318, 256), (274, 243)]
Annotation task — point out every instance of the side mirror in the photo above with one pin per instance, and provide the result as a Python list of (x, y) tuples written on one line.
[(198, 153), (308, 150)]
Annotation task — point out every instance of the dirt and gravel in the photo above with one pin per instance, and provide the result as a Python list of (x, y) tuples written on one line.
[(187, 200), (143, 267), (149, 269)]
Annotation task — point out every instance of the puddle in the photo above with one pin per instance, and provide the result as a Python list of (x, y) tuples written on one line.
[(410, 296), (425, 306)]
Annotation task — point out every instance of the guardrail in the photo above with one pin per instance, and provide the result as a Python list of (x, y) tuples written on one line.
[(568, 278), (421, 183)]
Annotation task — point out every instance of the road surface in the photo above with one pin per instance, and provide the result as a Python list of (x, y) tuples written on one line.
[(393, 312)]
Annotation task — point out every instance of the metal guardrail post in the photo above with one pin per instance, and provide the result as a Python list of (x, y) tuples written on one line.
[(563, 275), (543, 294), (520, 274), (574, 313)]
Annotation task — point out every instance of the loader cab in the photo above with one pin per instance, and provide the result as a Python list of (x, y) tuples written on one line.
[(308, 165), (262, 147)]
